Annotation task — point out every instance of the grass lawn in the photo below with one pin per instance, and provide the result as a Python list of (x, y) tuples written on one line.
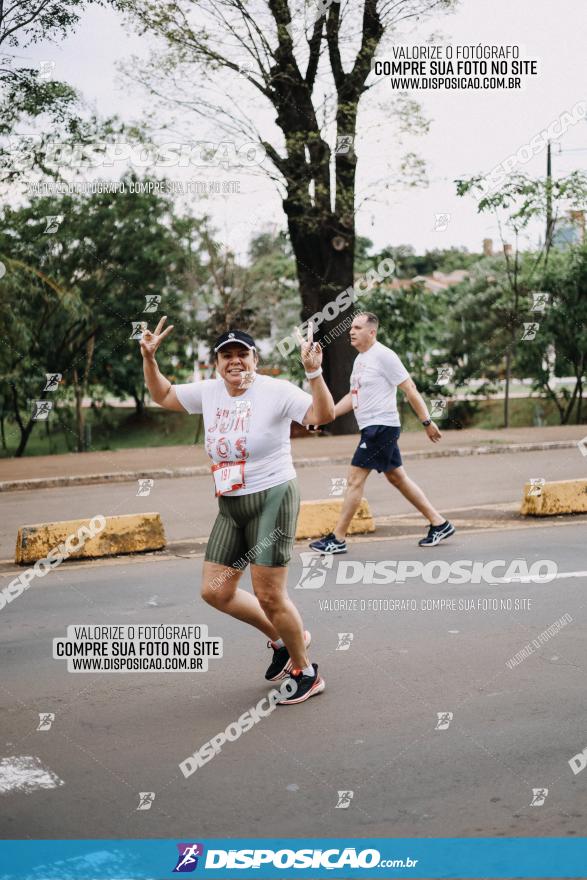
[(118, 428), (110, 428)]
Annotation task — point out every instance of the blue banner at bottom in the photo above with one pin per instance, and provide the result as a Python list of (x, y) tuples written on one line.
[(282, 858)]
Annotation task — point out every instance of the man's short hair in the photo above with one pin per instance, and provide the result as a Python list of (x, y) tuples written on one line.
[(371, 318)]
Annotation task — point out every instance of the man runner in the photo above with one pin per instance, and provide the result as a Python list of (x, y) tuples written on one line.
[(377, 373), (247, 419)]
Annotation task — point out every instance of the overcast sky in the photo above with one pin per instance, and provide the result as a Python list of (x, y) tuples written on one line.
[(470, 131)]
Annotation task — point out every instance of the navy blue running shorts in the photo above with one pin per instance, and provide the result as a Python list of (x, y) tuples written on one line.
[(378, 449)]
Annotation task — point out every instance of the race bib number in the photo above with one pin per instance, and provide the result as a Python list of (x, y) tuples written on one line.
[(228, 476), (355, 397)]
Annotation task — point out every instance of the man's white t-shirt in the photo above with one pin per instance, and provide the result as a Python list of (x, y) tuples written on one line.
[(376, 374), (253, 427)]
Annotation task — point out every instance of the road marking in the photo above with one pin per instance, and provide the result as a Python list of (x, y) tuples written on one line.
[(414, 518), (507, 525), (540, 578), (25, 773)]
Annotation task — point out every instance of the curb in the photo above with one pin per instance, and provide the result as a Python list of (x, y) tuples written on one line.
[(204, 470), (386, 530), (555, 498), (89, 539), (318, 518)]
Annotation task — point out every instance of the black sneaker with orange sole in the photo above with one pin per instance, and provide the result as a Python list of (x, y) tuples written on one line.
[(281, 663), (306, 686)]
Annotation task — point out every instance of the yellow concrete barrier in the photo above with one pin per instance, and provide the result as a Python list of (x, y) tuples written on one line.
[(556, 497), (89, 538), (318, 518)]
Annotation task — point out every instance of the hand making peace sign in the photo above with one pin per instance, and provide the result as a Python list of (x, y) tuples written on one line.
[(311, 351), (150, 341)]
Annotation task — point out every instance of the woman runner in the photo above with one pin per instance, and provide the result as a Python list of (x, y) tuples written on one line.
[(247, 418)]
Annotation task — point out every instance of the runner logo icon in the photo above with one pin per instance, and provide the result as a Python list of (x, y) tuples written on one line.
[(344, 641), (315, 569), (187, 860), (444, 719), (539, 795), (344, 800)]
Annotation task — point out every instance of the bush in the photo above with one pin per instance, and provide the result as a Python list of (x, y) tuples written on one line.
[(461, 414)]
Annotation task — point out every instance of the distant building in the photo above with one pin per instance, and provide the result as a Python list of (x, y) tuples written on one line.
[(489, 252), (569, 230), (434, 283)]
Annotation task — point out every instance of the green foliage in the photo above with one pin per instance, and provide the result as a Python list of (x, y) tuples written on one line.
[(487, 321), (518, 201), (410, 322), (28, 21), (526, 198), (480, 323), (272, 280), (560, 346), (72, 295), (409, 264), (43, 331)]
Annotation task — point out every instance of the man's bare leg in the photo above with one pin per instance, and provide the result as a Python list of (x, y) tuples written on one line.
[(412, 493), (355, 482)]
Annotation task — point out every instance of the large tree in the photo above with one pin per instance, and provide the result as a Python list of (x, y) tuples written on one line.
[(312, 84)]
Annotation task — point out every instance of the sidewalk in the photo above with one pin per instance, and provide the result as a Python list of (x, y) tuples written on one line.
[(159, 462)]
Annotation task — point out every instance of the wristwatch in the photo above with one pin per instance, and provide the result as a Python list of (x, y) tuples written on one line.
[(427, 422)]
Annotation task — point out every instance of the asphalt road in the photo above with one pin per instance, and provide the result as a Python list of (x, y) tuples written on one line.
[(372, 732), (188, 506)]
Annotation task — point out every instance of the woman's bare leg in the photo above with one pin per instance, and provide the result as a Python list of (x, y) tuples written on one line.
[(220, 589), (270, 586)]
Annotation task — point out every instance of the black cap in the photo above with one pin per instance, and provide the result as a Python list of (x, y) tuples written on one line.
[(235, 336)]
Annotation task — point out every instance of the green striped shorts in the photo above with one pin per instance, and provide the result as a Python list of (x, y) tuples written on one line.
[(258, 528)]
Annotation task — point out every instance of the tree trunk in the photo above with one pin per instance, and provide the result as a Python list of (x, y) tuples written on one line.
[(323, 272), (320, 211), (568, 410), (25, 433), (580, 373), (25, 430), (139, 403), (506, 399), (65, 428), (79, 411), (80, 387)]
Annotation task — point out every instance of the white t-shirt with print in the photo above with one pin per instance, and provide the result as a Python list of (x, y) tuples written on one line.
[(376, 374), (253, 426)]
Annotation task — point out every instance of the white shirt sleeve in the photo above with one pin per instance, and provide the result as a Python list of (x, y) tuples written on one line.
[(190, 396), (393, 369), (295, 402)]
